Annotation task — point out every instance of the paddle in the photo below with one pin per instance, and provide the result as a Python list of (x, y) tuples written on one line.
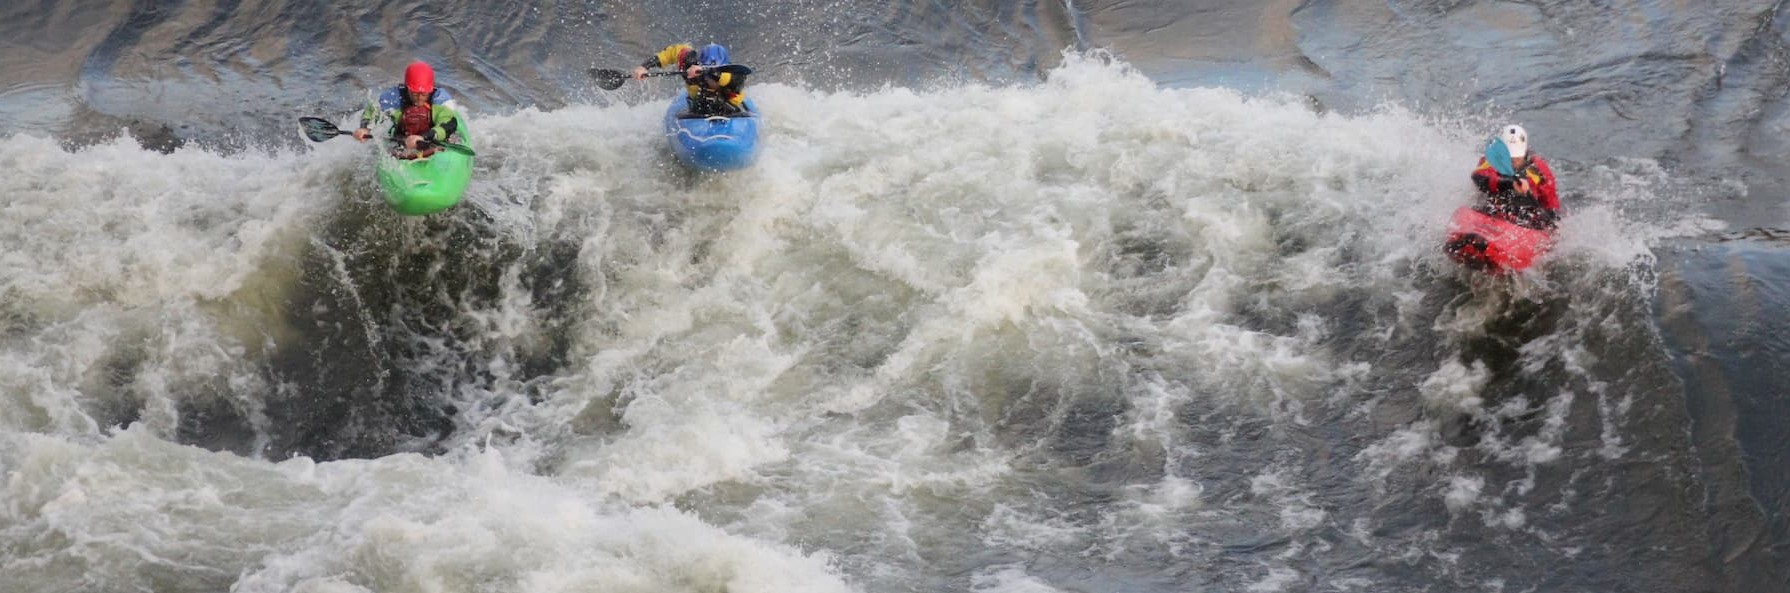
[(319, 129), (610, 80), (1498, 155)]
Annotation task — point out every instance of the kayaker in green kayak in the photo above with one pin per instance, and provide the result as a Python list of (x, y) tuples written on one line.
[(421, 114), (713, 91)]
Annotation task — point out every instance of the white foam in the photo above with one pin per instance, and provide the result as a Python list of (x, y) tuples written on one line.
[(402, 522), (1462, 492), (880, 325), (1008, 579)]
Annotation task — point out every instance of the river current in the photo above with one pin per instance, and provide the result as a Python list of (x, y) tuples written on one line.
[(1021, 297)]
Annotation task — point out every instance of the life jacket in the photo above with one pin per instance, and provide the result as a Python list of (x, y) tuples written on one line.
[(1539, 209), (417, 120), (1532, 173), (727, 96)]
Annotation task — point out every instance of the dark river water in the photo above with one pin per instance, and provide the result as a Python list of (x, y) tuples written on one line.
[(1019, 298)]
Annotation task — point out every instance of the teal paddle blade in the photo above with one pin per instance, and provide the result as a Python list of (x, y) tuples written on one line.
[(1498, 155)]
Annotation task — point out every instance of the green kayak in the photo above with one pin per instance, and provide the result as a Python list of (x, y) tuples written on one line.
[(429, 184)]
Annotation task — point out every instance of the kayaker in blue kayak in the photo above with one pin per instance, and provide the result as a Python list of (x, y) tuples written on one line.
[(420, 113), (712, 90)]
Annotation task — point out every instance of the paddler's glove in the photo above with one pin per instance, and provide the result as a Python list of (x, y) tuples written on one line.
[(1506, 184)]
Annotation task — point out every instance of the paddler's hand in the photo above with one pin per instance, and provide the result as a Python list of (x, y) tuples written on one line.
[(640, 73), (693, 72), (411, 141), (362, 134), (1523, 186)]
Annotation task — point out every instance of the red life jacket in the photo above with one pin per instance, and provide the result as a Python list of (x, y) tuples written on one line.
[(417, 120)]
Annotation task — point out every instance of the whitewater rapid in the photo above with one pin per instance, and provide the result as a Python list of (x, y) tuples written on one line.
[(1083, 334)]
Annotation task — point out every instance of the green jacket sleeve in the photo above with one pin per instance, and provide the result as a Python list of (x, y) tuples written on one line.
[(447, 123)]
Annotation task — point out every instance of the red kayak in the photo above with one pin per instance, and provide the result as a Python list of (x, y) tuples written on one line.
[(1492, 244)]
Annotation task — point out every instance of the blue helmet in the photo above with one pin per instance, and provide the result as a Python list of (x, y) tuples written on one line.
[(712, 54)]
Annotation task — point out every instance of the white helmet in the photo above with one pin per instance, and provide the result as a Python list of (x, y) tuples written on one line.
[(1516, 139)]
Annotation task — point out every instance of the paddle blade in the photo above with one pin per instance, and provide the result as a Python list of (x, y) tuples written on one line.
[(609, 80), (460, 148), (1498, 155), (734, 69), (318, 129)]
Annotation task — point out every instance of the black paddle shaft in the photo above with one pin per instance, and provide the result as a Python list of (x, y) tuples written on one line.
[(319, 129), (610, 80)]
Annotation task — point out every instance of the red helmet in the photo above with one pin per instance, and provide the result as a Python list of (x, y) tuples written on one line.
[(419, 78)]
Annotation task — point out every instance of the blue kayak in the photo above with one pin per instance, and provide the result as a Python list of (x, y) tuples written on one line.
[(714, 143)]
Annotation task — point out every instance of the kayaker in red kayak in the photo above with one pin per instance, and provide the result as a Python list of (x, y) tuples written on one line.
[(1524, 192), (1511, 224), (712, 90), (420, 113)]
